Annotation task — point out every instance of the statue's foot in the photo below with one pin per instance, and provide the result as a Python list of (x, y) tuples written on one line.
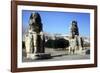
[(28, 56), (31, 56)]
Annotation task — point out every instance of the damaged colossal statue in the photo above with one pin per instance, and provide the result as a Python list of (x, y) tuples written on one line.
[(76, 42), (34, 39)]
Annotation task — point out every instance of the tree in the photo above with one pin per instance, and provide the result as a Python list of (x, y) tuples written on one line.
[(57, 43), (49, 43), (61, 43)]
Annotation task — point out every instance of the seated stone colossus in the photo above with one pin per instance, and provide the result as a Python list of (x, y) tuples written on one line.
[(76, 42), (34, 39)]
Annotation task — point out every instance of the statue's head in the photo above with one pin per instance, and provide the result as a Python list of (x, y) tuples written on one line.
[(74, 22), (74, 28), (35, 22), (35, 17)]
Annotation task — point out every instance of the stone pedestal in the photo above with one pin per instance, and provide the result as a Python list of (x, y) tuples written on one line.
[(39, 56), (43, 56)]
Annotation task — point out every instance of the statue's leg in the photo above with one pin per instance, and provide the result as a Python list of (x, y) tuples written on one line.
[(73, 49), (42, 40), (69, 50), (27, 45), (27, 50), (35, 42), (40, 44)]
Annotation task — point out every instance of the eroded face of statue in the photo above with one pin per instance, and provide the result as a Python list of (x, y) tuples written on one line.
[(35, 22), (74, 29)]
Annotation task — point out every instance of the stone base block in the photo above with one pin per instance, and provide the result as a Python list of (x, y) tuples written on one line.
[(39, 56), (43, 56)]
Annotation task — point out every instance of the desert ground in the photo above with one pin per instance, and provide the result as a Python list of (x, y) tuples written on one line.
[(57, 55)]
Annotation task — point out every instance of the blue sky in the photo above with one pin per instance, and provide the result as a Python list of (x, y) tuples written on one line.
[(59, 22)]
